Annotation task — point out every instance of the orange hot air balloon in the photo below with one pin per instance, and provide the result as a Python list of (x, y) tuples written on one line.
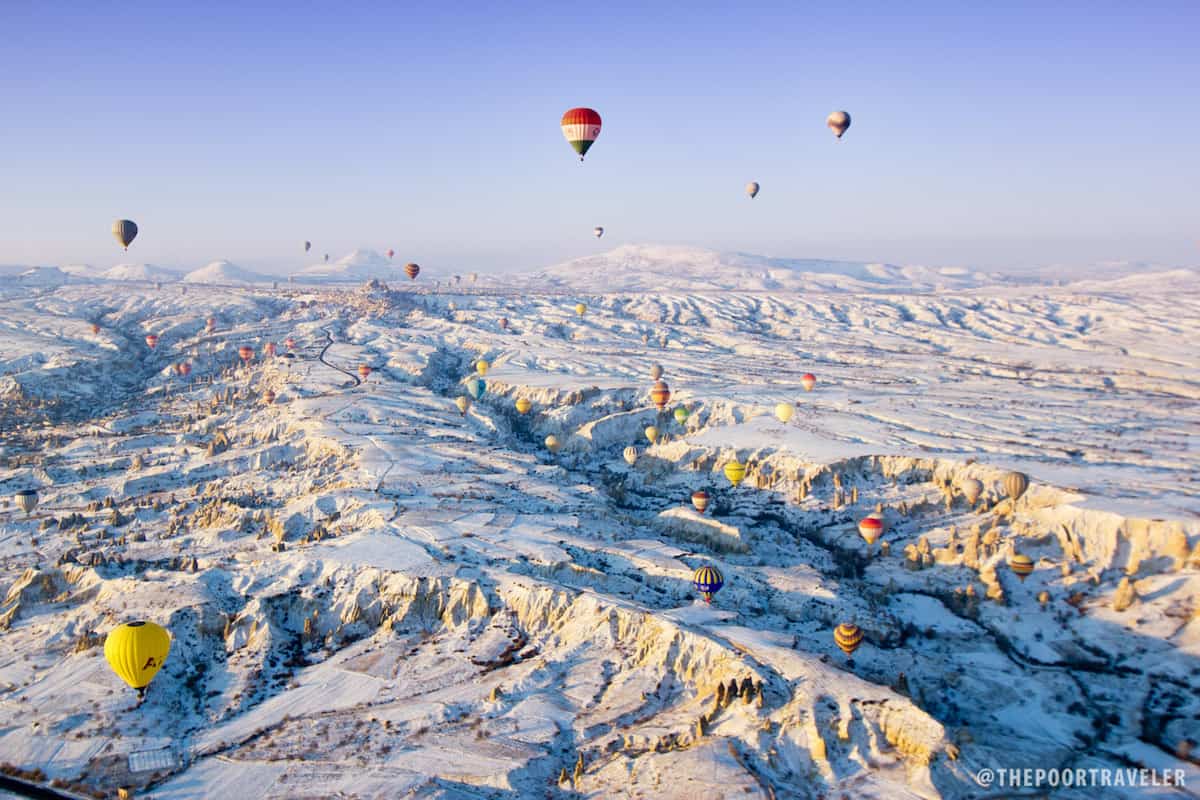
[(151, 340), (364, 371), (184, 369), (870, 528), (808, 381), (269, 349), (581, 126), (246, 352), (848, 637), (210, 324), (95, 328), (269, 397), (660, 394), (412, 271), (1021, 565), (289, 343), (700, 500)]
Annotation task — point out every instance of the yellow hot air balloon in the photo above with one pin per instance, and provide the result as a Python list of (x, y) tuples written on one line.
[(553, 444), (481, 366), (971, 489), (463, 402), (735, 472), (136, 651), (580, 308), (784, 411), (848, 637), (523, 405), (1021, 565), (652, 434), (1015, 483)]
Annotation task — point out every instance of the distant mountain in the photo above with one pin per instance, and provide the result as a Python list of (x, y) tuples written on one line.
[(649, 268), (360, 265), (225, 273), (140, 272)]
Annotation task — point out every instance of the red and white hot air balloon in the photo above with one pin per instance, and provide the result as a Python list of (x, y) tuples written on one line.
[(808, 381), (151, 340), (246, 352), (581, 126), (700, 500), (870, 527), (364, 371)]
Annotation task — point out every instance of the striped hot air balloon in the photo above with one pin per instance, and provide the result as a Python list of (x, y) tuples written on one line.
[(708, 580), (1015, 483), (808, 381), (581, 126), (847, 637), (1021, 565), (700, 500), (630, 455), (412, 271), (269, 397), (660, 395), (125, 231), (523, 405), (870, 527), (735, 472)]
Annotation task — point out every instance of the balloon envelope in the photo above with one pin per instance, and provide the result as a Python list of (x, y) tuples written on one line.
[(1015, 483), (848, 637), (735, 472), (700, 500), (523, 405), (652, 434), (580, 127), (552, 443), (597, 231), (412, 271), (136, 651), (708, 580), (125, 231), (463, 402), (27, 500), (630, 455), (784, 411), (808, 381), (752, 189), (838, 122)]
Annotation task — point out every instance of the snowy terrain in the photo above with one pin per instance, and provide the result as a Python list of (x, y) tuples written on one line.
[(224, 273), (372, 595)]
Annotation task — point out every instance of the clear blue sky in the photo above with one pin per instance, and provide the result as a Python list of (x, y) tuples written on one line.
[(989, 135)]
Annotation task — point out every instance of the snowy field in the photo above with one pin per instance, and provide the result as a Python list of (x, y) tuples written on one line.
[(373, 595)]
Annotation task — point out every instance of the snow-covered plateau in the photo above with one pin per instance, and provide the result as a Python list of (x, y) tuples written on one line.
[(370, 594)]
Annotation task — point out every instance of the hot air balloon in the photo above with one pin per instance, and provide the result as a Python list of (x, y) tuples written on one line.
[(125, 231), (838, 122), (463, 402), (504, 323), (580, 309), (27, 500), (681, 414), (269, 349), (597, 231), (523, 405), (95, 328), (327, 258), (847, 637), (151, 340), (735, 472), (210, 324), (971, 489), (784, 411), (660, 394), (581, 126), (652, 434), (808, 381), (269, 397), (481, 366), (870, 527), (289, 343), (136, 651), (390, 252), (553, 444), (184, 368), (364, 371), (708, 580), (307, 246), (1021, 565), (656, 372), (1015, 483), (700, 500), (412, 271), (476, 388), (630, 455), (752, 189), (246, 352)]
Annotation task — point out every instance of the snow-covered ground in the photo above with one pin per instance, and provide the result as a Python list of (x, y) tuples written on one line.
[(453, 611)]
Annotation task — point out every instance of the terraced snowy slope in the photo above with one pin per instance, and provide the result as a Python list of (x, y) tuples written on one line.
[(455, 612)]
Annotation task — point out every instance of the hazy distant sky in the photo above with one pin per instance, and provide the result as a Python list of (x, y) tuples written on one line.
[(984, 134)]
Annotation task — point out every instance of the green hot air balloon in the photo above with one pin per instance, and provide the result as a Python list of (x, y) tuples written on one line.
[(681, 415), (125, 231)]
